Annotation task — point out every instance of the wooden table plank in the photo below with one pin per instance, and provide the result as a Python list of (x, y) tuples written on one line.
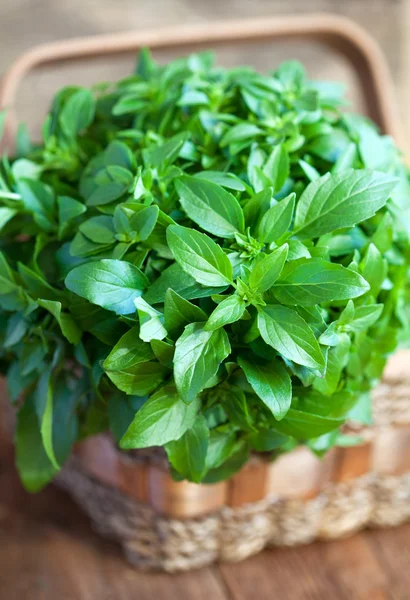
[(392, 547), (294, 574), (344, 569), (356, 569), (339, 570)]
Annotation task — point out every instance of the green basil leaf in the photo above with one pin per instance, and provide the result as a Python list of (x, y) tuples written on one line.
[(32, 356), (151, 321), (99, 230), (77, 113), (164, 352), (17, 327), (267, 440), (346, 159), (210, 206), (271, 382), (139, 378), (226, 180), (188, 454), (127, 104), (297, 250), (175, 278), (120, 155), (82, 247), (128, 351), (43, 398), (131, 366), (329, 146), (277, 220), (178, 313), (311, 173), (38, 199), (161, 419), (193, 98), (374, 269), (361, 412), (291, 74), (198, 354), (366, 316), (277, 167), (68, 210), (199, 256), (336, 361), (239, 133), (68, 326), (373, 150), (65, 420), (220, 447), (6, 214), (38, 286), (337, 405), (310, 281), (341, 200), (17, 383), (228, 311), (110, 184), (286, 331), (146, 66), (7, 279), (266, 271), (256, 207), (135, 222), (112, 284), (33, 464), (302, 426), (383, 236), (239, 456), (144, 221), (166, 153)]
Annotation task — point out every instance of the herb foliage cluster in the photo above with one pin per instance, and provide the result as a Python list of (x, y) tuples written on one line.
[(214, 261)]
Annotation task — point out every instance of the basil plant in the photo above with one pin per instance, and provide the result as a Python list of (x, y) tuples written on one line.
[(209, 260)]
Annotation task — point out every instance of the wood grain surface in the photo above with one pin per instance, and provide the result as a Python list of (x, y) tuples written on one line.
[(48, 551)]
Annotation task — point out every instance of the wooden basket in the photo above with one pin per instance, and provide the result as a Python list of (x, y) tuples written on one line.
[(297, 498)]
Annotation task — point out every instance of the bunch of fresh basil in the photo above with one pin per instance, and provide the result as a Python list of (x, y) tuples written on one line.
[(209, 260)]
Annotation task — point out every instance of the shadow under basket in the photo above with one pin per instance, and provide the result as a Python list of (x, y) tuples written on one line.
[(163, 524)]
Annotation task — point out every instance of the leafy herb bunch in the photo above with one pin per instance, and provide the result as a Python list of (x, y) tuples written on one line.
[(209, 260)]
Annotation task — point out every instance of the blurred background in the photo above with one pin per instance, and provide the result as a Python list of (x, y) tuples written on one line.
[(25, 23)]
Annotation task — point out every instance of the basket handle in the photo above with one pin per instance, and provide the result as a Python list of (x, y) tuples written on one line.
[(337, 32)]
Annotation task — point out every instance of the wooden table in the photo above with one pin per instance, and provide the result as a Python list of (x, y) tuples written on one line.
[(49, 552)]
